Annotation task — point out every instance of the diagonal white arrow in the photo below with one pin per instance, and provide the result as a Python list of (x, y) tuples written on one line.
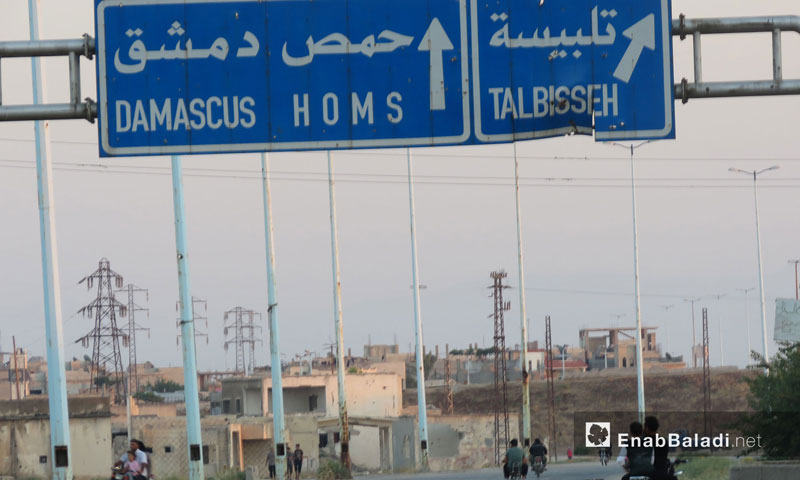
[(436, 41), (642, 34)]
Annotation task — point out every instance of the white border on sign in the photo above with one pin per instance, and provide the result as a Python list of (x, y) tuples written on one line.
[(476, 92), (267, 146)]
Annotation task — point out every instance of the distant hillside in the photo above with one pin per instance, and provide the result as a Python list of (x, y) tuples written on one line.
[(675, 391)]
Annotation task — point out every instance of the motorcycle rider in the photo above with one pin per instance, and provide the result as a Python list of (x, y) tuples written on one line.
[(515, 456), (140, 456), (639, 463), (539, 450), (660, 454)]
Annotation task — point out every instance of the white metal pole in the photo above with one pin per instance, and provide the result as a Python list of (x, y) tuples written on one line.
[(344, 428), (763, 310), (191, 394), (278, 424), (421, 404), (639, 355), (747, 321), (60, 448), (526, 394)]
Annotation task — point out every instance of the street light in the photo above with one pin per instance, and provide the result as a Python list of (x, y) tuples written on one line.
[(563, 350), (755, 174), (692, 300), (747, 318)]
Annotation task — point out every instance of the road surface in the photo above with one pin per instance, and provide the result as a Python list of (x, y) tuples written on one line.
[(564, 471)]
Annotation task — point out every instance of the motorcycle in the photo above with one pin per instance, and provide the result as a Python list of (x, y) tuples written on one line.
[(537, 466), (516, 473)]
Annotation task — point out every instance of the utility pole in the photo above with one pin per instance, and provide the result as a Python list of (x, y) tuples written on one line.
[(16, 369), (278, 421), (694, 329), (500, 377), (422, 406), (796, 285), (105, 337), (194, 439), (526, 393), (60, 449), (344, 427), (719, 324), (240, 322), (551, 396), (747, 318), (666, 331), (448, 389)]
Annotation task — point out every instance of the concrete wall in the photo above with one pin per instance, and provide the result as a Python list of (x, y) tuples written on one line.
[(365, 447), (462, 442), (167, 438), (25, 438), (303, 430), (404, 444)]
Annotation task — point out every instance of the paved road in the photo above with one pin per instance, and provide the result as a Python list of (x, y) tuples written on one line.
[(568, 471)]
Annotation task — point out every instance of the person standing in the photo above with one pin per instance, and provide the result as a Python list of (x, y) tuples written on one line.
[(271, 462), (289, 461), (298, 461)]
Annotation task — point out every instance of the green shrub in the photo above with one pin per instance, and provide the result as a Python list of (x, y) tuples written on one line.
[(332, 470)]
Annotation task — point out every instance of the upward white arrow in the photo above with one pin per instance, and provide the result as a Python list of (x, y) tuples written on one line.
[(642, 34), (436, 41)]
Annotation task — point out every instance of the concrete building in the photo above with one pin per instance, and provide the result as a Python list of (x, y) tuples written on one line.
[(615, 347), (25, 438), (368, 395)]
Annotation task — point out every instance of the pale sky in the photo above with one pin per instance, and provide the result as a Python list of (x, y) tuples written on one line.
[(696, 220)]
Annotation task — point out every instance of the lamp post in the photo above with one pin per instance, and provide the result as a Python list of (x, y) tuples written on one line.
[(666, 331), (747, 318), (755, 174)]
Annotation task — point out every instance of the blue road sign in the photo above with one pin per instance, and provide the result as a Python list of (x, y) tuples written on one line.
[(568, 65), (199, 76), (212, 76)]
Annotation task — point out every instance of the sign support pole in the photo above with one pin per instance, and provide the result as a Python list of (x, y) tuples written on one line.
[(344, 428), (421, 404), (60, 450), (193, 437), (639, 355), (526, 394), (272, 311)]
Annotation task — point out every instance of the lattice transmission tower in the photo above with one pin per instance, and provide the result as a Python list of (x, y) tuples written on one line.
[(106, 339), (706, 377), (551, 395), (196, 319), (133, 372), (240, 327), (500, 400)]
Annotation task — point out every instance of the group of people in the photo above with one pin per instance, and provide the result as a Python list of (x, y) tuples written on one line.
[(135, 463), (516, 456), (651, 462), (294, 461)]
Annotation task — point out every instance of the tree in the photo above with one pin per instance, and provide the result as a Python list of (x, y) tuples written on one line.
[(165, 386), (148, 397), (774, 399)]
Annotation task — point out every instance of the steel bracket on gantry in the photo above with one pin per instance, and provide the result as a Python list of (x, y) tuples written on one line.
[(73, 49), (683, 27)]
